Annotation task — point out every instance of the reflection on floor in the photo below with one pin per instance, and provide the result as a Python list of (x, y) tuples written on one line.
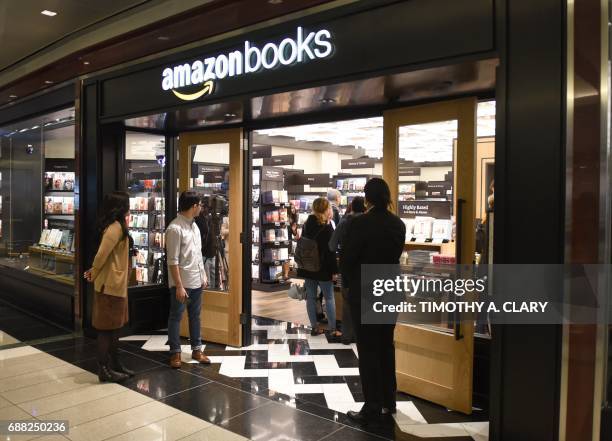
[(287, 385), (288, 365), (17, 326)]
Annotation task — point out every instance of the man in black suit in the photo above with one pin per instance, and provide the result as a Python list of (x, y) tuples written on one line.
[(376, 237)]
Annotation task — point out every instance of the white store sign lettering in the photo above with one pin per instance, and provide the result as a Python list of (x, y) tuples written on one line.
[(252, 59)]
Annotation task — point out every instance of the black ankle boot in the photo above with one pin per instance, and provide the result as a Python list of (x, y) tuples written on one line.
[(107, 375), (118, 366)]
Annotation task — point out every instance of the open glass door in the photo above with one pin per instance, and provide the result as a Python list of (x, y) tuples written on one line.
[(429, 153), (211, 163)]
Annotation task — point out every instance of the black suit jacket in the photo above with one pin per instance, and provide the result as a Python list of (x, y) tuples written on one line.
[(376, 237)]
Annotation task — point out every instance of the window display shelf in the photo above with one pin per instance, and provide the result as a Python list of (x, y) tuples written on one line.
[(60, 255)]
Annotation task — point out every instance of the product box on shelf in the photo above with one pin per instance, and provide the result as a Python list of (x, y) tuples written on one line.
[(441, 259), (409, 228), (442, 229), (423, 227)]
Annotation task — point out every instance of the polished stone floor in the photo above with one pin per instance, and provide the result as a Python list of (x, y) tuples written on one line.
[(289, 390)]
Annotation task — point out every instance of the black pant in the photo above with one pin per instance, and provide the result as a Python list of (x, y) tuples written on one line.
[(376, 363), (108, 346)]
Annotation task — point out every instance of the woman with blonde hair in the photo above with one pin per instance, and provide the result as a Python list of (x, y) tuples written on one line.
[(318, 228)]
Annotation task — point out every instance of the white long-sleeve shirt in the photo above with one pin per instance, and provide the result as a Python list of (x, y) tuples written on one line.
[(184, 248)]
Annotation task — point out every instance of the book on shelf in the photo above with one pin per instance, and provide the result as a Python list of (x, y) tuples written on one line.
[(142, 256), (142, 274), (159, 239), (273, 254), (274, 197), (274, 272), (141, 239), (59, 205), (66, 240), (160, 204)]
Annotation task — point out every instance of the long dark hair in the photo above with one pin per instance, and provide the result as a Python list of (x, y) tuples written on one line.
[(115, 206), (377, 194)]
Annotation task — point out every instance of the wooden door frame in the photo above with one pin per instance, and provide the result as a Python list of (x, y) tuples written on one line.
[(216, 301), (459, 395)]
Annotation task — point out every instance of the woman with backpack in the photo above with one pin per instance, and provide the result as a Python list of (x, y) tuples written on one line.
[(318, 264)]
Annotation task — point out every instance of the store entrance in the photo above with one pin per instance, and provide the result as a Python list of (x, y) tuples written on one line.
[(437, 160), (211, 163)]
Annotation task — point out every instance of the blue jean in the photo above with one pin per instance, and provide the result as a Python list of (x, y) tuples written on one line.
[(209, 267), (327, 288), (174, 319)]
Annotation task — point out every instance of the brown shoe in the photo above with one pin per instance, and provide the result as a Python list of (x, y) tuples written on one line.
[(175, 360), (200, 357)]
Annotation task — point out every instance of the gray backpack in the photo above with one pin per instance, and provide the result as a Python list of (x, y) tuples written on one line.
[(307, 254)]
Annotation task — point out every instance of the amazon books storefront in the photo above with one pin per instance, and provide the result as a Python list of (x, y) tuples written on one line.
[(263, 120)]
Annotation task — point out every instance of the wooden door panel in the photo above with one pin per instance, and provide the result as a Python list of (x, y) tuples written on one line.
[(220, 316), (433, 364)]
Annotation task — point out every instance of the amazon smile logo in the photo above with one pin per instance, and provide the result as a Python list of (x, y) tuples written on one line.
[(208, 89), (251, 59)]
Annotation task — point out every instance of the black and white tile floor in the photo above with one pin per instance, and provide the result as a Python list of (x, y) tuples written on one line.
[(286, 364)]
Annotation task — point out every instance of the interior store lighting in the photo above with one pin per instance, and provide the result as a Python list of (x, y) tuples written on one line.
[(48, 13), (420, 143)]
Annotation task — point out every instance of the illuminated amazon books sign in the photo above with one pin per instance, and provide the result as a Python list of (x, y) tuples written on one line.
[(252, 59)]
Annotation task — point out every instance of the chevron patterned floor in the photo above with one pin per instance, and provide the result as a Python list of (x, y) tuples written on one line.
[(291, 365)]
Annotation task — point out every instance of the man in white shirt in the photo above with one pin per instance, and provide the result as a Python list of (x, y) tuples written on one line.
[(186, 277)]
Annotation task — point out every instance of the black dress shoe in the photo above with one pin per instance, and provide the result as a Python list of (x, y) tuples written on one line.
[(107, 375), (358, 417), (118, 366)]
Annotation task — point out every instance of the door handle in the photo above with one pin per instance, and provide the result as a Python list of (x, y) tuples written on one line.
[(459, 230)]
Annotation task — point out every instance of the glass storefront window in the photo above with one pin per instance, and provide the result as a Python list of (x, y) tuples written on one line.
[(37, 194), (145, 168)]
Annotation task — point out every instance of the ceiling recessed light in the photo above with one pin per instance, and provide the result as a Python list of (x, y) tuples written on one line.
[(275, 2), (48, 13), (230, 115), (163, 38), (12, 96), (86, 62), (48, 82)]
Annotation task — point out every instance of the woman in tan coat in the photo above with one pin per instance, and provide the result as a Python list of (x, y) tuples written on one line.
[(109, 272)]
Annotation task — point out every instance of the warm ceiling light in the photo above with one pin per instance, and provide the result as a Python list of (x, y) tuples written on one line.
[(163, 38), (12, 96), (48, 82), (86, 63), (327, 100), (275, 2), (230, 115), (48, 13)]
